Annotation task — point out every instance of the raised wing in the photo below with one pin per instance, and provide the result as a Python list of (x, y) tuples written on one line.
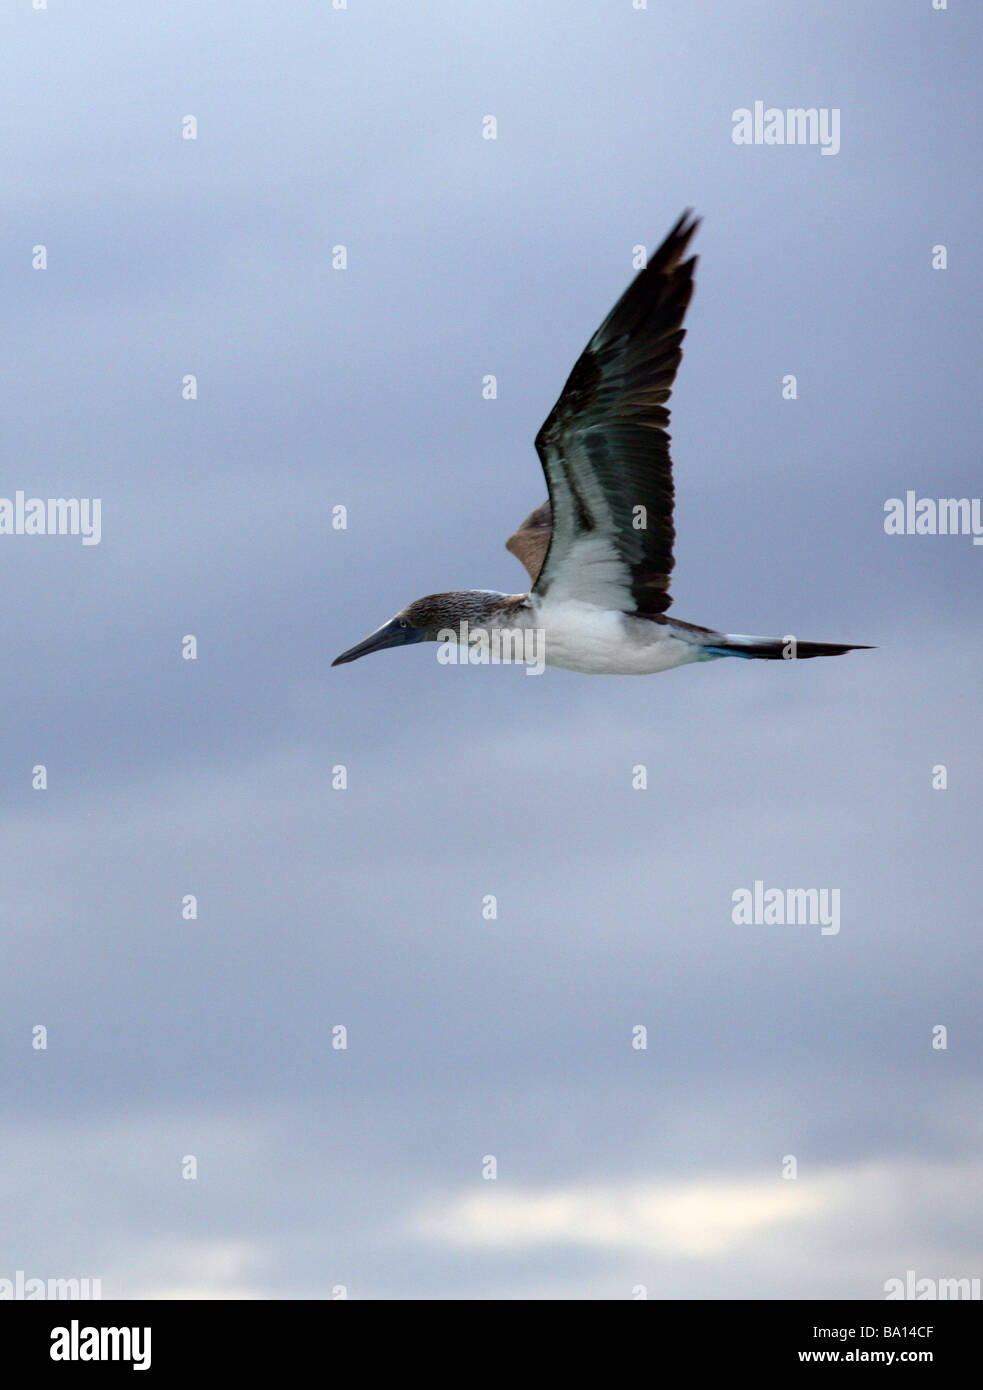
[(605, 449)]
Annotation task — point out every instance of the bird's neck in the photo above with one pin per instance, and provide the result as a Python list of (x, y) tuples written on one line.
[(483, 608)]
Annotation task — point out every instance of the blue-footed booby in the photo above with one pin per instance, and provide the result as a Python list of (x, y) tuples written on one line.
[(600, 551)]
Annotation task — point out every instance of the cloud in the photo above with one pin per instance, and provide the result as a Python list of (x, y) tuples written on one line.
[(197, 1269), (698, 1218), (846, 1229)]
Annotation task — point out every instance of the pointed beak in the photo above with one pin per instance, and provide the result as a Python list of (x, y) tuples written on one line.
[(391, 634)]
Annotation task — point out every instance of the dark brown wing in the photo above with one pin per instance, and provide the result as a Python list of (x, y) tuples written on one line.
[(605, 447)]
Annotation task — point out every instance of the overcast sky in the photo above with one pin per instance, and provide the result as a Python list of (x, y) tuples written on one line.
[(617, 1167)]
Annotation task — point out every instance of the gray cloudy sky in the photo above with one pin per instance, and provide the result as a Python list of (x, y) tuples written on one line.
[(363, 1168)]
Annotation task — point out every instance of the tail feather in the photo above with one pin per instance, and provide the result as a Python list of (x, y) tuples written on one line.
[(779, 648)]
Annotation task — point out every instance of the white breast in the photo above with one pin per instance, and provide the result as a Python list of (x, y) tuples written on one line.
[(582, 637)]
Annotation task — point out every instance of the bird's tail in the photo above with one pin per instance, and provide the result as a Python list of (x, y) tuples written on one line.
[(777, 648)]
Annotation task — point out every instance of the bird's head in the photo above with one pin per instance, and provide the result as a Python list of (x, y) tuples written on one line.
[(434, 618)]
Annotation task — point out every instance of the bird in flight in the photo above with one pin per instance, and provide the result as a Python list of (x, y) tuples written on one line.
[(600, 551)]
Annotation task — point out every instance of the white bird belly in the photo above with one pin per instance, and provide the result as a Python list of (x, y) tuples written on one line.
[(599, 641)]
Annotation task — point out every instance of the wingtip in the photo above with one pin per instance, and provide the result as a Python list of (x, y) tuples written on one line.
[(672, 248), (687, 224)]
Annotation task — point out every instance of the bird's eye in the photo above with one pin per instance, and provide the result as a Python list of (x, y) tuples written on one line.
[(403, 622)]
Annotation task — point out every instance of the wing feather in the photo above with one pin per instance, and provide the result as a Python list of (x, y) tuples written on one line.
[(605, 448)]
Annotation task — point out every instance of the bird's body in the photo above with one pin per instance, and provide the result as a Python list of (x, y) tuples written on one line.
[(598, 641), (600, 551), (602, 641)]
